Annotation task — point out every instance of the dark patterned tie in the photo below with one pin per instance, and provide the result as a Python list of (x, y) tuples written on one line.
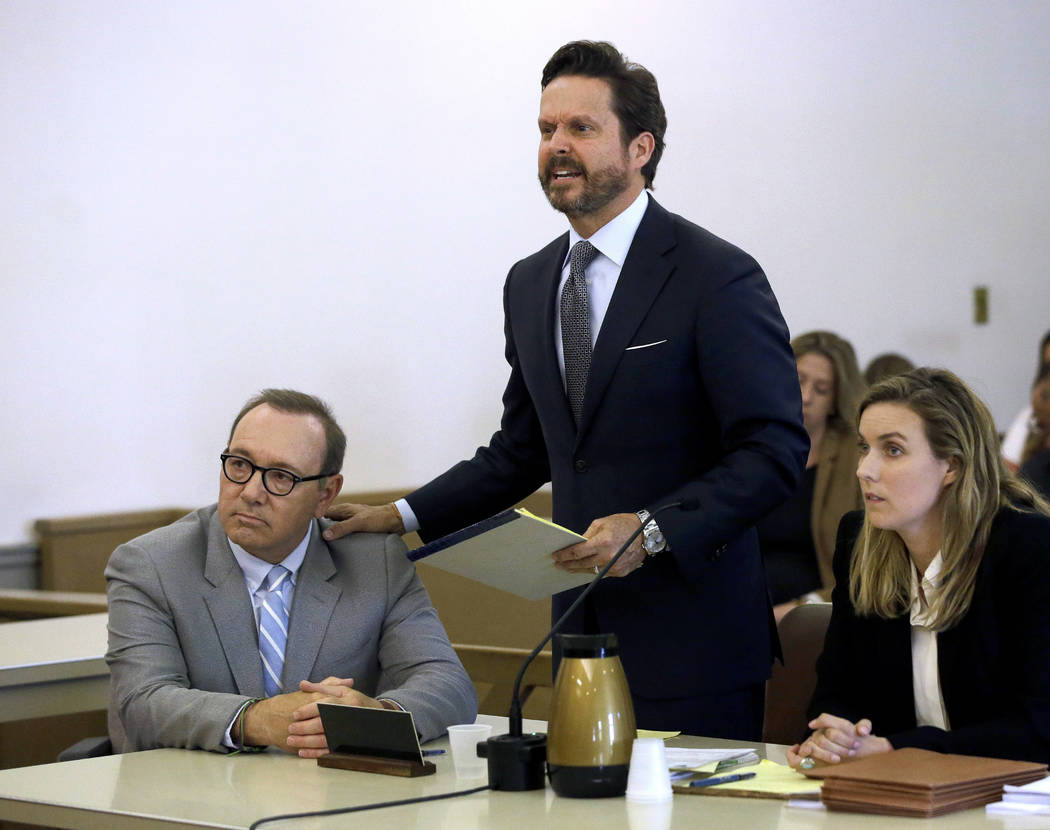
[(576, 326)]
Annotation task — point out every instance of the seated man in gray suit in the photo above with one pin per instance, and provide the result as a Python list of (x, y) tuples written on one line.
[(226, 626)]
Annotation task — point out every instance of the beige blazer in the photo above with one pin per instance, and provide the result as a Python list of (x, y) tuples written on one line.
[(835, 492)]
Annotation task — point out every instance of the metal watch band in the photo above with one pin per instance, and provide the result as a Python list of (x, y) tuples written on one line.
[(654, 541)]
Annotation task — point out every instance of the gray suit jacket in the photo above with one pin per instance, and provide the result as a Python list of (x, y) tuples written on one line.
[(183, 650)]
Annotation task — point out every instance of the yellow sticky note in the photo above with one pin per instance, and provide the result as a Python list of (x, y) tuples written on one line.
[(655, 733)]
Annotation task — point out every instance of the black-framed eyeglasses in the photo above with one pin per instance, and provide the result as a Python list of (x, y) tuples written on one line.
[(277, 482)]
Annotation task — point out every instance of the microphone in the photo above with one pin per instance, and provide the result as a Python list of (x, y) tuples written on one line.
[(515, 760)]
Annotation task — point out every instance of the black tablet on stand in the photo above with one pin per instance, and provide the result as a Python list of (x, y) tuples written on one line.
[(372, 740)]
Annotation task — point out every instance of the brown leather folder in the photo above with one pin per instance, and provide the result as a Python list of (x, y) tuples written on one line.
[(917, 782)]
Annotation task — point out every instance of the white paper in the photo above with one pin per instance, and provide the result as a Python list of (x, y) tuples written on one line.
[(686, 758)]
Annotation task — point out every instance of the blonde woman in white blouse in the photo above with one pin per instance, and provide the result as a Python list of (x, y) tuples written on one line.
[(940, 631)]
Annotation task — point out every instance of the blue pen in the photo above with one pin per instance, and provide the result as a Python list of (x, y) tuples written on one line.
[(725, 779), (427, 752)]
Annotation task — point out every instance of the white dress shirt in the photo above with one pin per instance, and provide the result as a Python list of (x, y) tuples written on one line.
[(613, 241), (926, 676), (255, 570)]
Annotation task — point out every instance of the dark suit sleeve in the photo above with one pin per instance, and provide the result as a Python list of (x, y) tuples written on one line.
[(837, 691), (1011, 708), (749, 378), (513, 465)]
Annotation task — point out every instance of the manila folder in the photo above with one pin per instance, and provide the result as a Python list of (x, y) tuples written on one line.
[(510, 551)]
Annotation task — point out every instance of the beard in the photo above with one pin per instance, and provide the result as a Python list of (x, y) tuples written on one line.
[(600, 187)]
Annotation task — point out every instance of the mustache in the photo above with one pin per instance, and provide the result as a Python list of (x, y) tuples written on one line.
[(563, 164)]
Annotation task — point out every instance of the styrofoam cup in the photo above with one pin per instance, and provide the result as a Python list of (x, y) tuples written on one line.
[(648, 778), (464, 739)]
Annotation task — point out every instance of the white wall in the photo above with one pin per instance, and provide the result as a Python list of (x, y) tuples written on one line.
[(199, 199)]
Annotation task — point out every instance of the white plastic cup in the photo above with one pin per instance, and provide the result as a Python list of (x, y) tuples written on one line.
[(650, 815), (648, 778), (464, 739)]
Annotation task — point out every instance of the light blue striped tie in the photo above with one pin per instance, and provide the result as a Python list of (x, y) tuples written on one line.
[(273, 627)]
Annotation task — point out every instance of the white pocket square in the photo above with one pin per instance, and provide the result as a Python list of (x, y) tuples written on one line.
[(645, 345)]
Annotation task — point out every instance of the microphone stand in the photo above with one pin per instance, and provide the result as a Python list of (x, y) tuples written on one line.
[(516, 760)]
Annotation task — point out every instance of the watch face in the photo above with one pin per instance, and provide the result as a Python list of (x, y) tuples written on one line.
[(654, 542)]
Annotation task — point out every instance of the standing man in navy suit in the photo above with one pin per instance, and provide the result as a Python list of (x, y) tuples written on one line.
[(688, 391)]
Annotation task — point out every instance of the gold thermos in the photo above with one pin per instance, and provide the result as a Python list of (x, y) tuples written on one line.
[(591, 729)]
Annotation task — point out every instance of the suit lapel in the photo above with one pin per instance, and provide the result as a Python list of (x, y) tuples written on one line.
[(642, 277), (549, 292), (315, 600), (231, 612), (539, 324)]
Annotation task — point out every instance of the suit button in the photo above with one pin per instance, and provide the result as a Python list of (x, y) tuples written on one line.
[(580, 465)]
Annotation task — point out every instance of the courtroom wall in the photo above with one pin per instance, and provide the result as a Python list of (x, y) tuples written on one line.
[(200, 199)]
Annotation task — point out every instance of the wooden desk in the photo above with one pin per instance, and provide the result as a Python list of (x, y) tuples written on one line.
[(53, 667), (174, 788)]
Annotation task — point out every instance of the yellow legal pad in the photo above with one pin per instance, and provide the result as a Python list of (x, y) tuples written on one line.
[(771, 781)]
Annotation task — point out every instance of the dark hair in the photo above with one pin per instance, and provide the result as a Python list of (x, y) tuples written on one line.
[(299, 403), (1036, 438), (886, 366), (1042, 374), (635, 95), (1042, 350)]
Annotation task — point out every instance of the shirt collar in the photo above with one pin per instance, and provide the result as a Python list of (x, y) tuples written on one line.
[(932, 577), (256, 569), (931, 584), (614, 238)]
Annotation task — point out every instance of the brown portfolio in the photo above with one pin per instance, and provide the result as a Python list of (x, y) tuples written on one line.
[(917, 782)]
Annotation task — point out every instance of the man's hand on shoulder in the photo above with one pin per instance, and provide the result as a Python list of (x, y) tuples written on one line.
[(305, 732), (363, 518), (604, 537)]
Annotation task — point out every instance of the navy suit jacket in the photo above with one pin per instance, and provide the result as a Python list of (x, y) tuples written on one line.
[(692, 394), (994, 665)]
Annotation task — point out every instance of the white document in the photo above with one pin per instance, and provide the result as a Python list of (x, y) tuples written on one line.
[(679, 758), (510, 551), (1037, 792), (1017, 808)]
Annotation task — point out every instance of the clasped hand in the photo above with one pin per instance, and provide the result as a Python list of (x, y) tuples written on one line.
[(292, 722), (836, 739)]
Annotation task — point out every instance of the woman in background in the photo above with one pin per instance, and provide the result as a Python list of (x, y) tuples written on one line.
[(940, 629), (1035, 460), (1016, 435), (798, 538)]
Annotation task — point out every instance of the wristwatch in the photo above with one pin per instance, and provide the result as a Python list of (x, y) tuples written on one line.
[(653, 540)]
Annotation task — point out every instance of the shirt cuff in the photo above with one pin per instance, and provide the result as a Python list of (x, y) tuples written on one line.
[(408, 517), (227, 739)]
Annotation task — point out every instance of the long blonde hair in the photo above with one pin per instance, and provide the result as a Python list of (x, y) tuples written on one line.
[(958, 427)]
